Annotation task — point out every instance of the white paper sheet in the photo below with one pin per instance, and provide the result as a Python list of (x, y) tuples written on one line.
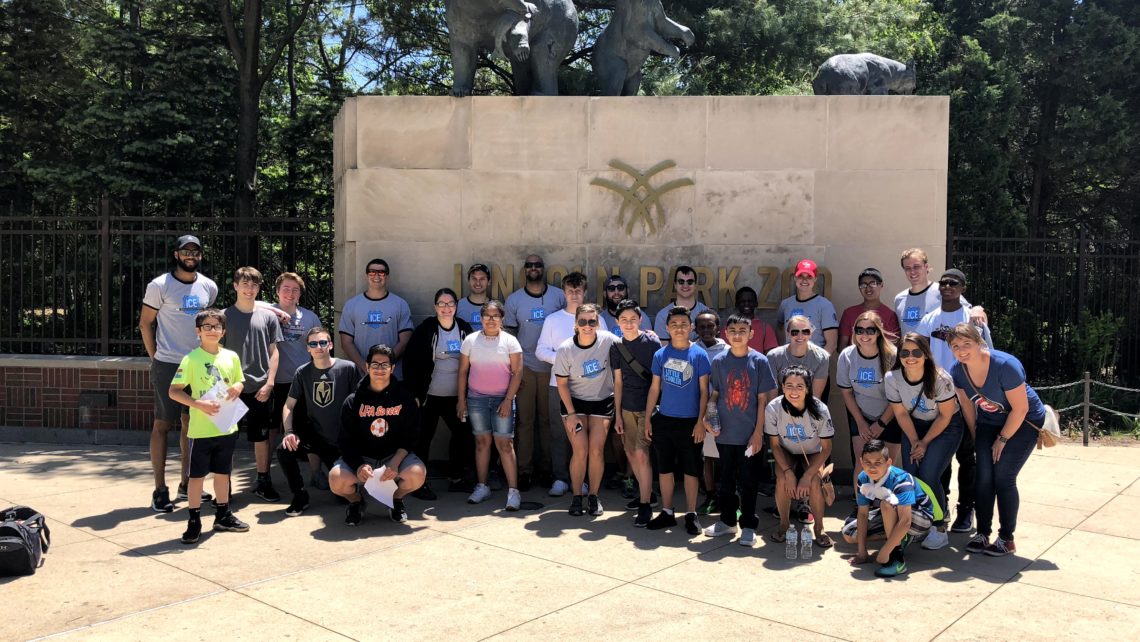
[(382, 491), (229, 412), (709, 449), (748, 451)]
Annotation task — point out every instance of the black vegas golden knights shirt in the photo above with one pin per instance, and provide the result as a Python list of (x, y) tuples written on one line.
[(377, 424)]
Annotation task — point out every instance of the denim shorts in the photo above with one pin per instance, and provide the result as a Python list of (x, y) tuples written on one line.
[(483, 416)]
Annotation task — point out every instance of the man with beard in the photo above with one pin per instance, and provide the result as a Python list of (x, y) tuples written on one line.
[(616, 290), (527, 309), (470, 307), (166, 323), (685, 286)]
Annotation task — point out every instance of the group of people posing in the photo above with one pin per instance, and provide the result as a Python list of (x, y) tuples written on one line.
[(544, 376)]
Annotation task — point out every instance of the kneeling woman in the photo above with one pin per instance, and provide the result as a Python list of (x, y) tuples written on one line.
[(586, 389), (799, 431)]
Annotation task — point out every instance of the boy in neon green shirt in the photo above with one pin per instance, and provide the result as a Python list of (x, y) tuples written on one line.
[(211, 447)]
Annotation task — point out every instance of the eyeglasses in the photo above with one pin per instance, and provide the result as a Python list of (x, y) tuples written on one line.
[(795, 332), (616, 287), (593, 323), (382, 367), (530, 265), (377, 271), (862, 330), (492, 317), (323, 343), (445, 304), (949, 283), (870, 284), (686, 281), (210, 327), (905, 354), (190, 254)]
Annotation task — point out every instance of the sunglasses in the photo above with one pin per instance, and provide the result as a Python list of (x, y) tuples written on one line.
[(616, 287), (210, 327), (379, 366), (377, 271), (190, 254), (593, 323), (905, 354), (323, 343), (949, 283), (862, 330), (797, 332), (530, 265), (686, 281)]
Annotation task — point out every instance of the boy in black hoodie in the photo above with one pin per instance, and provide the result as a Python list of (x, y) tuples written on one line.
[(379, 427)]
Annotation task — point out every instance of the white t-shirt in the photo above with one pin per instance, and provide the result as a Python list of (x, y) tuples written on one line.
[(936, 324), (910, 395), (798, 432)]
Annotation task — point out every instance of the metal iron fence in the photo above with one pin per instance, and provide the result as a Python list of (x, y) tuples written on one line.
[(1063, 306), (73, 275)]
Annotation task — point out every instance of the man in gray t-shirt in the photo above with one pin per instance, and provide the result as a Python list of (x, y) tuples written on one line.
[(526, 311), (373, 317), (166, 323)]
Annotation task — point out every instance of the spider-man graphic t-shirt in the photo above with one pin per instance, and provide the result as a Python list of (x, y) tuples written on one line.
[(737, 381)]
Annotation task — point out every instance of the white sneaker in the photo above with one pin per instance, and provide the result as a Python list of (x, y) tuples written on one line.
[(514, 500), (747, 537), (935, 539), (559, 488), (481, 492), (718, 529)]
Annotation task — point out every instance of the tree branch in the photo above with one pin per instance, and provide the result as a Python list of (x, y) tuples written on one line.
[(231, 31), (291, 32)]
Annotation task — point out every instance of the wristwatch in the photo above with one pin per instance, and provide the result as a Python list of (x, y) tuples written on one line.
[(1002, 438)]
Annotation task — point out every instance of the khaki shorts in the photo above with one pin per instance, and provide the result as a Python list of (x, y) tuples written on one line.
[(633, 425)]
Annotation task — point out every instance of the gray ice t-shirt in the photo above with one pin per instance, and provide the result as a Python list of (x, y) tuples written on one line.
[(250, 334), (737, 382), (293, 352), (323, 391), (803, 434), (372, 321), (527, 313), (445, 374), (910, 395), (470, 312), (815, 360), (661, 327), (864, 377), (588, 369), (177, 303), (817, 308)]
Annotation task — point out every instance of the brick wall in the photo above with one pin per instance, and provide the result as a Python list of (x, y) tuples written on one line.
[(75, 392)]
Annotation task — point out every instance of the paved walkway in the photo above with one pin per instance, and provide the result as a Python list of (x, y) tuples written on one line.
[(460, 572)]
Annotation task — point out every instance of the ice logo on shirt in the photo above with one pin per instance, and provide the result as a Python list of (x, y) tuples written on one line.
[(797, 312), (795, 433), (475, 318), (919, 404), (453, 346), (865, 377), (191, 304), (912, 314), (677, 372), (376, 318), (591, 369), (537, 314), (379, 427)]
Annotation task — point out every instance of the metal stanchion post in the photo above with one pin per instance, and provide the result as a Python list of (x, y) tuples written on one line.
[(1086, 426)]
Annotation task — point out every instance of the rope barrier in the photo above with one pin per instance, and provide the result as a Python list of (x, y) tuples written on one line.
[(1073, 407), (1109, 385), (1057, 387), (1115, 412)]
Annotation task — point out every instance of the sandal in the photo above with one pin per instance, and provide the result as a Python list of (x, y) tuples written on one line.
[(824, 541), (778, 536)]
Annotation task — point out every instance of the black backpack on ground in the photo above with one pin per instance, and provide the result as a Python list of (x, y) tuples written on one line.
[(24, 538)]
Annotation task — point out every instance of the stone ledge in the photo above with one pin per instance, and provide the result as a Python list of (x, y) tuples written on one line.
[(73, 361)]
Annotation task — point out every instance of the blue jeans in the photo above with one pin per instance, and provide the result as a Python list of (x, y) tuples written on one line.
[(1000, 479), (483, 417), (938, 454)]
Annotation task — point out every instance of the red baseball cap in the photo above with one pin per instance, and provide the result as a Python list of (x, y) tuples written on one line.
[(808, 267)]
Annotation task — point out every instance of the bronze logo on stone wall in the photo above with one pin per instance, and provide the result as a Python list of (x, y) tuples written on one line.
[(640, 196)]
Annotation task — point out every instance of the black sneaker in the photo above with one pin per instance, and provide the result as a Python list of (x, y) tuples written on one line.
[(634, 504), (160, 501), (595, 507), (576, 506), (230, 523), (193, 532), (663, 520), (644, 514), (654, 501), (298, 505), (460, 485), (266, 492), (425, 493), (964, 522), (525, 482), (766, 490), (182, 496), (691, 525), (354, 514), (398, 513)]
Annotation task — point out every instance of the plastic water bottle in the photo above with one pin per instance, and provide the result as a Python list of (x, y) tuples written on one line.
[(805, 544), (713, 417), (791, 539)]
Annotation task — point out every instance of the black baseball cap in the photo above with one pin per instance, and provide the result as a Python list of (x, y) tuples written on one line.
[(616, 278), (479, 267), (188, 239), (954, 274)]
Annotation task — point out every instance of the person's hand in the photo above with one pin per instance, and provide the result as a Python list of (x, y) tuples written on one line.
[(282, 315), (790, 481), (918, 451), (571, 424), (648, 428), (803, 488), (978, 316), (653, 335), (233, 392), (699, 432), (364, 473), (264, 393), (619, 425), (864, 430), (756, 443), (876, 429), (461, 409), (505, 408), (998, 447), (859, 558), (211, 408), (290, 442), (389, 473), (883, 557)]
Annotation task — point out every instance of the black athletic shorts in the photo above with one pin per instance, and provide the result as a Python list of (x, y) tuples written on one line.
[(601, 408), (212, 455), (673, 444), (255, 423)]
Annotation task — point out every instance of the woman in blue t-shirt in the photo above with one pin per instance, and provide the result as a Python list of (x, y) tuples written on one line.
[(1004, 413)]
